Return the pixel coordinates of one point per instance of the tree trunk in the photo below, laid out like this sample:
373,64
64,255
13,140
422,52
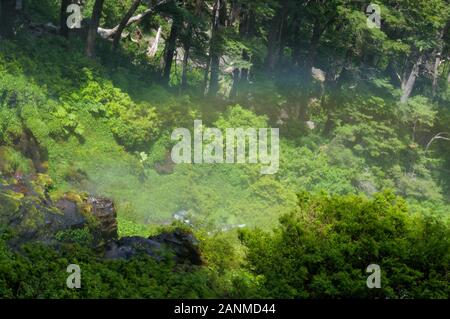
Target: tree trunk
219,20
236,80
214,77
240,75
206,76
438,54
408,85
64,29
187,48
312,53
274,38
8,12
123,23
437,63
188,43
153,48
248,31
93,28
170,51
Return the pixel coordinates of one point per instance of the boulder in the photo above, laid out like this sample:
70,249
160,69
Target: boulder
184,245
27,210
105,214
129,247
181,246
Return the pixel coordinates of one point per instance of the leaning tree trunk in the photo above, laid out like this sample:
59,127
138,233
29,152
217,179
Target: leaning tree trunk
123,23
408,85
170,51
153,47
93,28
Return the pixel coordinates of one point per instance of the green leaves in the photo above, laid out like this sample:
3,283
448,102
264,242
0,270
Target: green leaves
321,250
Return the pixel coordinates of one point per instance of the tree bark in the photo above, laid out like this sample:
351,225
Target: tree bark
437,63
110,33
274,38
170,50
438,57
64,29
241,75
236,80
187,48
219,20
408,85
93,27
187,43
123,23
312,53
153,48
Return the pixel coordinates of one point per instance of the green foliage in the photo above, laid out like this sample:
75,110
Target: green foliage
105,124
12,161
40,272
82,237
323,248
238,117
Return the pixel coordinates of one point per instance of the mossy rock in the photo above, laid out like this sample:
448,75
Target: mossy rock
12,161
9,206
42,183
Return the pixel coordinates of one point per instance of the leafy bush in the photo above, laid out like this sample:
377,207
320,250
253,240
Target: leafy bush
322,249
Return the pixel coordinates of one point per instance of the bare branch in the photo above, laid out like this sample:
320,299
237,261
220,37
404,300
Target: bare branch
440,136
110,33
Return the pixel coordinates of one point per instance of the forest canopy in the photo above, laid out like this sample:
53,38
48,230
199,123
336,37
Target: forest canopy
92,90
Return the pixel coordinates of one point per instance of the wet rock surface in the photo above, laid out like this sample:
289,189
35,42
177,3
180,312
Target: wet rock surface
129,247
181,246
184,245
27,210
105,214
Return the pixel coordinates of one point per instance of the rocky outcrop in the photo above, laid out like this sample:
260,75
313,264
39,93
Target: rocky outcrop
182,246
29,213
129,247
104,212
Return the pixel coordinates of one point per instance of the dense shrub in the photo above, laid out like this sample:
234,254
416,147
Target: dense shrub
322,249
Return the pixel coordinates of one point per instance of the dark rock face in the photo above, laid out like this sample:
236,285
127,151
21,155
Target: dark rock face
179,245
71,217
105,213
184,245
26,209
128,247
